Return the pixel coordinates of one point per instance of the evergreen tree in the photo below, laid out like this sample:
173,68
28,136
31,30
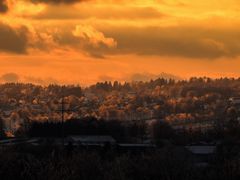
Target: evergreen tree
2,133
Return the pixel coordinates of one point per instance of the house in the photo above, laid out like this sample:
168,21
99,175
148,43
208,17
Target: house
234,100
12,141
7,113
136,147
201,155
92,140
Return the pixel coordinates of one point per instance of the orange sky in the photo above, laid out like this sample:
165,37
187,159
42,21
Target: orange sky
85,41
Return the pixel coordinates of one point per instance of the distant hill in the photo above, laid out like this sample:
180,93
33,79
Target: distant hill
148,76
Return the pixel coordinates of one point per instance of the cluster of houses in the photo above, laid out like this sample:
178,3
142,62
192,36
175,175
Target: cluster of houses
200,154
235,102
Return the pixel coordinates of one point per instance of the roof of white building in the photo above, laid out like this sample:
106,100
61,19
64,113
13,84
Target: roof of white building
93,139
202,150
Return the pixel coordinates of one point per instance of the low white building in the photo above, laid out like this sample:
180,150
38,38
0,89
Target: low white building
235,100
92,140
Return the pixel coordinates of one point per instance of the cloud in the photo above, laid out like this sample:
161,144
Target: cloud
102,12
3,6
106,78
58,1
137,77
25,39
196,42
84,39
13,39
116,30
93,36
149,76
15,78
179,41
9,78
21,39
41,81
93,41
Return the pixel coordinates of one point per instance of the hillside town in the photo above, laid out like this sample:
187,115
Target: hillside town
199,103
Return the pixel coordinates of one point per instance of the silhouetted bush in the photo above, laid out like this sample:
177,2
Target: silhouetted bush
163,164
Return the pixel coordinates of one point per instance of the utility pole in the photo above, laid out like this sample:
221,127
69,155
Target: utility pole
62,120
2,133
63,110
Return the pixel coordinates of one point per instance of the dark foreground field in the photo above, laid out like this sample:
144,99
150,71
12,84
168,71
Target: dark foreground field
56,163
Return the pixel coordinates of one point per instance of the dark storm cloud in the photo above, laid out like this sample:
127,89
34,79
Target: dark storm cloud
180,41
85,39
58,1
3,6
115,13
13,40
177,41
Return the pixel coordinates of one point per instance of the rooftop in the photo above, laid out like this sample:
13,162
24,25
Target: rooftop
93,139
201,150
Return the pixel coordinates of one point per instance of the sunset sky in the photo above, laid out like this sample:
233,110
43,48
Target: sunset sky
85,41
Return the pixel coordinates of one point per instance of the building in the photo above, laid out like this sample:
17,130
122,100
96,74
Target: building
75,140
201,155
136,147
235,101
92,140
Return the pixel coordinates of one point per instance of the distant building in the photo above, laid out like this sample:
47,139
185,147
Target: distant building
202,155
92,140
75,140
131,94
201,149
136,147
234,100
